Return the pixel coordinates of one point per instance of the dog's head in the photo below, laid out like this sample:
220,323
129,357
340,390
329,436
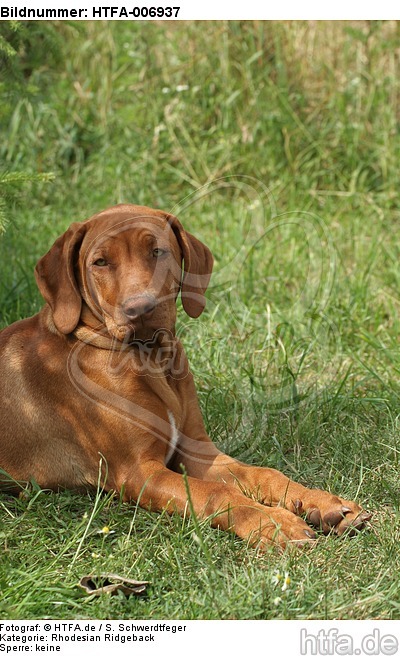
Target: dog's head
125,265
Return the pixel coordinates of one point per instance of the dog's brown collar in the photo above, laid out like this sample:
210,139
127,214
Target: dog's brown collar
161,338
94,338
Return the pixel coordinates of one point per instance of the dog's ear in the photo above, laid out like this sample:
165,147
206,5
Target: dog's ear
55,277
197,269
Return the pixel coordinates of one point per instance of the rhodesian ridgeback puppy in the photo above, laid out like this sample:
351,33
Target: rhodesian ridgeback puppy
98,385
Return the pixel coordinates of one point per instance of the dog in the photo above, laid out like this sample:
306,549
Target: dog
98,385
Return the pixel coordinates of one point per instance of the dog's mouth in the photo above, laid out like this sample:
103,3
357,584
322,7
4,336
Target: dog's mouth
132,332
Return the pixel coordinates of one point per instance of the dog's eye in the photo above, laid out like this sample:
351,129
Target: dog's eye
157,252
100,262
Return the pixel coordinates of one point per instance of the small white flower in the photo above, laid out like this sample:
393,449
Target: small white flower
182,87
277,601
105,531
283,580
276,577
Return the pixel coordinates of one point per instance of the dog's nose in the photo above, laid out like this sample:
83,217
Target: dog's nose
139,306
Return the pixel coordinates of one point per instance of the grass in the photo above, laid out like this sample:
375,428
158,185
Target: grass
277,144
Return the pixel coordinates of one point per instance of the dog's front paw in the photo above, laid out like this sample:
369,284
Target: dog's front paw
332,514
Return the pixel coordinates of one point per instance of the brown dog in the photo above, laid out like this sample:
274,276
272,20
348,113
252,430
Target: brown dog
98,379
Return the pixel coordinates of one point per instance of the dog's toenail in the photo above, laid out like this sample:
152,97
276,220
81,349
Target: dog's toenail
297,506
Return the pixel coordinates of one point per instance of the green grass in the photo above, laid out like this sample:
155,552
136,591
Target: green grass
277,144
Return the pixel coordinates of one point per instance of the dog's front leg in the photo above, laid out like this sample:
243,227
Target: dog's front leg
270,487
157,488
322,509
